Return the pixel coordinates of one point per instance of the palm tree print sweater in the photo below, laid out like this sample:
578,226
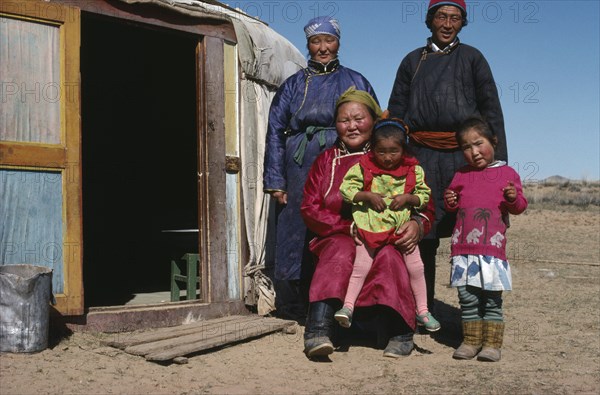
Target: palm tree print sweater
482,210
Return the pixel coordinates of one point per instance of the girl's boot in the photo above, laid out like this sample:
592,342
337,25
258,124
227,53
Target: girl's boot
493,335
472,340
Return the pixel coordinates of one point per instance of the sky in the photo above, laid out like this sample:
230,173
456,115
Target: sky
544,56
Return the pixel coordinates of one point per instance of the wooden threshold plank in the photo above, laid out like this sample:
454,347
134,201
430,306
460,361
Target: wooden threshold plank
262,328
170,332
216,331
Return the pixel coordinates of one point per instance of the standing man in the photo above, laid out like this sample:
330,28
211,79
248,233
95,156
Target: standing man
437,87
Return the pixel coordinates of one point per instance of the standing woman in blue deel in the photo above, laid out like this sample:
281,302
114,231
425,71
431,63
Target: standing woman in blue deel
301,126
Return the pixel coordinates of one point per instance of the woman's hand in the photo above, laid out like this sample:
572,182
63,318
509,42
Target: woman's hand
354,234
280,196
409,237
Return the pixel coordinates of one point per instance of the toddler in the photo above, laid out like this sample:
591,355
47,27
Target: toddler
384,187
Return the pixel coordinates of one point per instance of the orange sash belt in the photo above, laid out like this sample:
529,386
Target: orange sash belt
435,140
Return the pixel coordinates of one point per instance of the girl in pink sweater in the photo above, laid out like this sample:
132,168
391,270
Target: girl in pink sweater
482,193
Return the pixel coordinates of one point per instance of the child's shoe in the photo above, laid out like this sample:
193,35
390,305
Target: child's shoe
493,336
427,320
472,340
344,317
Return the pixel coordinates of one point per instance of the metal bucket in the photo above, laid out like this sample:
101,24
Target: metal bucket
25,294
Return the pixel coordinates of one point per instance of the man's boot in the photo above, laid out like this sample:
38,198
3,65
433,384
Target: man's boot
472,340
493,336
318,332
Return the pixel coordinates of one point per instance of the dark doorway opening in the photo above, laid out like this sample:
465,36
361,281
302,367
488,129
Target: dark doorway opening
139,155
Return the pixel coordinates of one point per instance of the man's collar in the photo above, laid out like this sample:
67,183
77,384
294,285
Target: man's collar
434,48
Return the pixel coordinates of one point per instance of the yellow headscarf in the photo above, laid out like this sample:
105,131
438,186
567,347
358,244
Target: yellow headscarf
354,95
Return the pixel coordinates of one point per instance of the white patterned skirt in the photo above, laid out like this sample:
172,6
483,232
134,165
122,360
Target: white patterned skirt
482,271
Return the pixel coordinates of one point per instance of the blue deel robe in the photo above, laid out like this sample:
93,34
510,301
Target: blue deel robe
304,101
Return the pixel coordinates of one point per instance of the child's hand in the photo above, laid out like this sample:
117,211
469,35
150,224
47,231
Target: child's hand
400,201
451,197
510,192
376,201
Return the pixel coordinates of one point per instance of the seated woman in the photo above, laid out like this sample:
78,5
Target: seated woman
326,214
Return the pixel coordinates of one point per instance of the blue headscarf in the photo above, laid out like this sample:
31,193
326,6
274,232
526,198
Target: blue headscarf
322,25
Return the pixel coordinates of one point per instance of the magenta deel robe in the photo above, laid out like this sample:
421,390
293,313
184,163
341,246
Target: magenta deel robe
329,217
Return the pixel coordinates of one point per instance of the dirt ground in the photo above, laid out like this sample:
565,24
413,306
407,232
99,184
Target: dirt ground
552,340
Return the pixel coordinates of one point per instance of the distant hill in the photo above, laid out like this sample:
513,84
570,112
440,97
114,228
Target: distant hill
561,181
555,180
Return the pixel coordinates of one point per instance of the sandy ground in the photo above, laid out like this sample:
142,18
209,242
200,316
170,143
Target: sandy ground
552,340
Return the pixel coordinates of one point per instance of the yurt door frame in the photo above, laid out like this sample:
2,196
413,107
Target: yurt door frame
40,172
41,168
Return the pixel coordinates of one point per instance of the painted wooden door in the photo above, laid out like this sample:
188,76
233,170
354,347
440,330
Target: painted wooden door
40,135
